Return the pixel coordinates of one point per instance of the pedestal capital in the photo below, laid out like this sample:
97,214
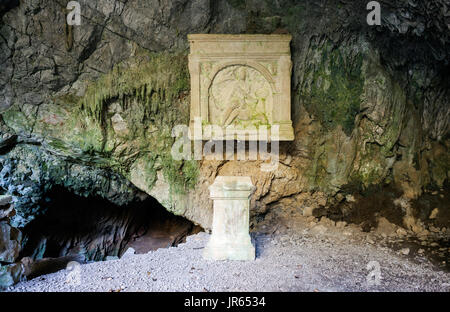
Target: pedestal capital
231,187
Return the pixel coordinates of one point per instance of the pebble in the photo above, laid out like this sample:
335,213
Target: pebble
319,229
405,251
334,264
434,213
347,232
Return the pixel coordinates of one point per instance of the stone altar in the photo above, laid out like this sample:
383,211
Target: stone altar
240,83
230,238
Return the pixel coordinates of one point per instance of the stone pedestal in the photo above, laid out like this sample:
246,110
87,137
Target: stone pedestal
230,239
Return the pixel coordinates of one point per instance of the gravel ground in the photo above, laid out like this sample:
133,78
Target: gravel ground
315,259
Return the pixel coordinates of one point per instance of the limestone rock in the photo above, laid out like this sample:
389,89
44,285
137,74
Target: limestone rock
358,120
405,251
10,274
7,212
33,268
348,232
327,222
401,232
385,227
434,213
10,245
10,240
319,229
5,200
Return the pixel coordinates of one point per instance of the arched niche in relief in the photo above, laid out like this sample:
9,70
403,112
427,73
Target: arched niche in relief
240,83
240,95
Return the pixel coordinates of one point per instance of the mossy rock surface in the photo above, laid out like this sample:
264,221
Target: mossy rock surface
335,88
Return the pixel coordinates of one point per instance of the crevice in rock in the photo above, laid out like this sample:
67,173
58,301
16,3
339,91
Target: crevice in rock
7,5
366,205
94,229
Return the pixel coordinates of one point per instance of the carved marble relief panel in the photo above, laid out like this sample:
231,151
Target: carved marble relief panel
240,83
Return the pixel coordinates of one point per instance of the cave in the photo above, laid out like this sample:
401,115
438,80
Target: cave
86,229
97,164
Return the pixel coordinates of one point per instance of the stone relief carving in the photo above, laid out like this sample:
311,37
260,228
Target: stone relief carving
240,83
241,96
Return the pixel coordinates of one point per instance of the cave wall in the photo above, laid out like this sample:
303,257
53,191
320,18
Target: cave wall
83,104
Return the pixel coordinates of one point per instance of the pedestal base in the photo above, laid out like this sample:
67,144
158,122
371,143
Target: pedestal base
229,251
230,238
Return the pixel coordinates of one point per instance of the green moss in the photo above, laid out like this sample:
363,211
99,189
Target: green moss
58,144
150,90
181,175
395,120
66,100
369,175
149,168
336,86
293,17
237,4
155,80
17,120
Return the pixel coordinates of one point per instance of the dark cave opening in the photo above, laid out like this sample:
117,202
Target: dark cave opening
94,229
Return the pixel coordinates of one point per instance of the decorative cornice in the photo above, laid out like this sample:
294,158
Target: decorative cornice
241,37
